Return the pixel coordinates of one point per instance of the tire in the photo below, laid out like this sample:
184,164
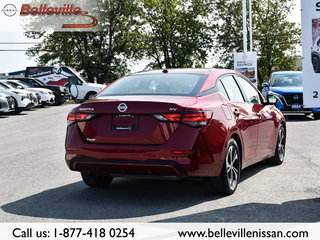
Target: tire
227,182
316,116
278,158
90,95
316,64
96,180
57,101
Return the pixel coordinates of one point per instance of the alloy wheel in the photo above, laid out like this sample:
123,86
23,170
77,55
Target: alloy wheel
232,165
281,144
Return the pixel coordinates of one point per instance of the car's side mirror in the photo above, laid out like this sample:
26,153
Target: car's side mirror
272,99
80,83
19,87
265,85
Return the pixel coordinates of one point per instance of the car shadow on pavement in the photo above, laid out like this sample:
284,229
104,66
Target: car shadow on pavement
124,198
12,114
306,210
254,169
298,118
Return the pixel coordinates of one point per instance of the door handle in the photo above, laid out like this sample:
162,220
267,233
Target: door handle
236,112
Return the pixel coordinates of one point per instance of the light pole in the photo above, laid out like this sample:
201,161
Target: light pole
244,10
250,26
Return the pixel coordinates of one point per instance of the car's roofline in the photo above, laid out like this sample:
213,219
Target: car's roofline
202,71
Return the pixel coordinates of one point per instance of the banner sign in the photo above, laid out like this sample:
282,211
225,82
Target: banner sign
311,52
246,64
44,15
159,231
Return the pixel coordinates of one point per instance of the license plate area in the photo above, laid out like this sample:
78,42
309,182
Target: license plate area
296,106
125,123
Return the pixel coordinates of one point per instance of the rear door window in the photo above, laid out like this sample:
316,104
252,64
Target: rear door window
250,92
232,89
222,90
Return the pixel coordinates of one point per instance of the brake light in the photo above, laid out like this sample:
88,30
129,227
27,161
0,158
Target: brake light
193,119
197,119
174,117
78,117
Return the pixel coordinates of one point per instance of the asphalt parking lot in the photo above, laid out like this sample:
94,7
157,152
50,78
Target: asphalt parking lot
37,186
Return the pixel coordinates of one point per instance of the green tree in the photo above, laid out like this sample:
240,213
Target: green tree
275,38
102,54
176,32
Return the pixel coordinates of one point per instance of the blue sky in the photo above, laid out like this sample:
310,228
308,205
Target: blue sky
14,61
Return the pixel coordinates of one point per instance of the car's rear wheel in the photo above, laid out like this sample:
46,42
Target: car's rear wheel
90,95
96,180
278,158
316,64
228,180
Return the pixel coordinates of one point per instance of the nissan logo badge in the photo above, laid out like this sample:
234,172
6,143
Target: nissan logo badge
122,107
296,97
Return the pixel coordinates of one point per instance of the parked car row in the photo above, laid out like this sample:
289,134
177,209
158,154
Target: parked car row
17,95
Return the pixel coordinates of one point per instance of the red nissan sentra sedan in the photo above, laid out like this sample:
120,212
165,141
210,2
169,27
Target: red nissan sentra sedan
179,122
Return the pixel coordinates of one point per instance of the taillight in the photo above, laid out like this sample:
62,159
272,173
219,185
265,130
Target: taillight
193,119
197,119
168,117
78,117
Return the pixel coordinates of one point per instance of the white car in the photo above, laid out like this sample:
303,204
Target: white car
80,90
22,100
47,96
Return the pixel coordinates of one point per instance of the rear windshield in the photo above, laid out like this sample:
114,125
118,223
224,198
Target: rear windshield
287,80
157,84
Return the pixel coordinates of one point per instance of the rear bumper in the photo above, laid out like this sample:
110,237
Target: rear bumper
129,167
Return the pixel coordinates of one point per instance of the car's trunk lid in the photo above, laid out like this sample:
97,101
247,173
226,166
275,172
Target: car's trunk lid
130,120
